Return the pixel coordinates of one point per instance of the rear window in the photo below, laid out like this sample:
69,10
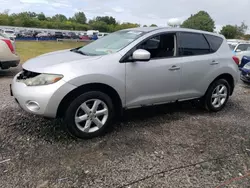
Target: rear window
214,42
193,44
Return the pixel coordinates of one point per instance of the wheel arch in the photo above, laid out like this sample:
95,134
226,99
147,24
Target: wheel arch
228,77
110,91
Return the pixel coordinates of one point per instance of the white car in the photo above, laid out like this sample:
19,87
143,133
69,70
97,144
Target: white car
8,56
10,34
241,49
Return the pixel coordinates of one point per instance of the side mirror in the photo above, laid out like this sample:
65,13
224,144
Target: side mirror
141,55
237,50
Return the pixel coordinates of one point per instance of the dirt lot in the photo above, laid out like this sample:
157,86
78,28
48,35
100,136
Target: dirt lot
177,145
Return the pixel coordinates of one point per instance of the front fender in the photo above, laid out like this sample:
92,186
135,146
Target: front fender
118,84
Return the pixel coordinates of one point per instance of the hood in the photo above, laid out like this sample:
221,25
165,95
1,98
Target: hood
56,61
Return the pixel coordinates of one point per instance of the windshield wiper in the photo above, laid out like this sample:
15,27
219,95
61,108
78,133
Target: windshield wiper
78,51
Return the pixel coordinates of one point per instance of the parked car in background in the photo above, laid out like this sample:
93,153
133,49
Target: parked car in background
84,37
8,56
58,35
9,33
244,61
245,73
6,37
73,35
42,35
131,68
242,49
100,35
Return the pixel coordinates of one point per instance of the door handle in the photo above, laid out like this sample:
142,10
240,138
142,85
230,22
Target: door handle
214,62
174,67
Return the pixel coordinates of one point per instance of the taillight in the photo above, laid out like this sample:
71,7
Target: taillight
8,42
236,60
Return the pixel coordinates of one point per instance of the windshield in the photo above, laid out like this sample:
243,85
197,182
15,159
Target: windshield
111,43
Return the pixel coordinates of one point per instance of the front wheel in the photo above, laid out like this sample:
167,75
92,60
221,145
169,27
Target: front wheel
89,115
217,95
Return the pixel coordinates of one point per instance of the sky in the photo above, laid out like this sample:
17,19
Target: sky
138,11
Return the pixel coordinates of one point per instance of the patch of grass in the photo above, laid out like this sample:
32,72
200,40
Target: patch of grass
30,49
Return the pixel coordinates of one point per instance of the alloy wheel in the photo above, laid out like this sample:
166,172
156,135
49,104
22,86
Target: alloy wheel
219,96
91,115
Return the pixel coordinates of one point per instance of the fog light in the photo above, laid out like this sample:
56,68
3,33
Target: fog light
33,106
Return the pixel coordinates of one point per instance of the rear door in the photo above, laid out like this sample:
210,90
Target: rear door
199,61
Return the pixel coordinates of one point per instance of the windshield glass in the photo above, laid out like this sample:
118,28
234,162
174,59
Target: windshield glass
111,43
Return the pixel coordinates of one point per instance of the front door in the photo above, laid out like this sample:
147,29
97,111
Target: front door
157,80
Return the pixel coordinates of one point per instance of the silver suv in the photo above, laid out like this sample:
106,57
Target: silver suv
130,68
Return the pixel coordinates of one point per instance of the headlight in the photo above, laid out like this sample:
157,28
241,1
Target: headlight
42,79
247,66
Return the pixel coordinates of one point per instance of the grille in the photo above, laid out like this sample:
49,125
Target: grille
27,74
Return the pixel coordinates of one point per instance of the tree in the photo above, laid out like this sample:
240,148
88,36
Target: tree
107,19
100,26
201,21
41,17
241,30
229,31
153,25
59,21
59,18
79,17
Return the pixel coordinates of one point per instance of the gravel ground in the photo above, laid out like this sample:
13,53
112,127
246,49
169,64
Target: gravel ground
176,145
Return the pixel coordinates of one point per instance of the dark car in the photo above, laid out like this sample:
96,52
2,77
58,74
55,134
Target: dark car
73,35
245,73
244,61
58,35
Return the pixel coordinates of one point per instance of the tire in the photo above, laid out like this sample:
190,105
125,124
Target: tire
210,101
82,110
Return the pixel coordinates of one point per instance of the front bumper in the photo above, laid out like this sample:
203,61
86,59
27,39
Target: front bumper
40,100
245,78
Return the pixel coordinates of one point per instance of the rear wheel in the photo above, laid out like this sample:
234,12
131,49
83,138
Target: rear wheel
89,115
217,95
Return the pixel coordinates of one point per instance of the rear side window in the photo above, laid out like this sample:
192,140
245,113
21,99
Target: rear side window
193,44
214,42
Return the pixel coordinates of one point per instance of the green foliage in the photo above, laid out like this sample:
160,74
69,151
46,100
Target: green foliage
59,21
229,31
80,18
107,19
201,21
153,25
41,17
234,31
241,30
59,18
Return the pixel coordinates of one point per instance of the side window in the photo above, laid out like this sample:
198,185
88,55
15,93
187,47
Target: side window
193,44
214,42
248,47
242,47
161,46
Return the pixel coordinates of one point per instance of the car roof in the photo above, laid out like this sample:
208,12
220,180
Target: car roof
167,29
